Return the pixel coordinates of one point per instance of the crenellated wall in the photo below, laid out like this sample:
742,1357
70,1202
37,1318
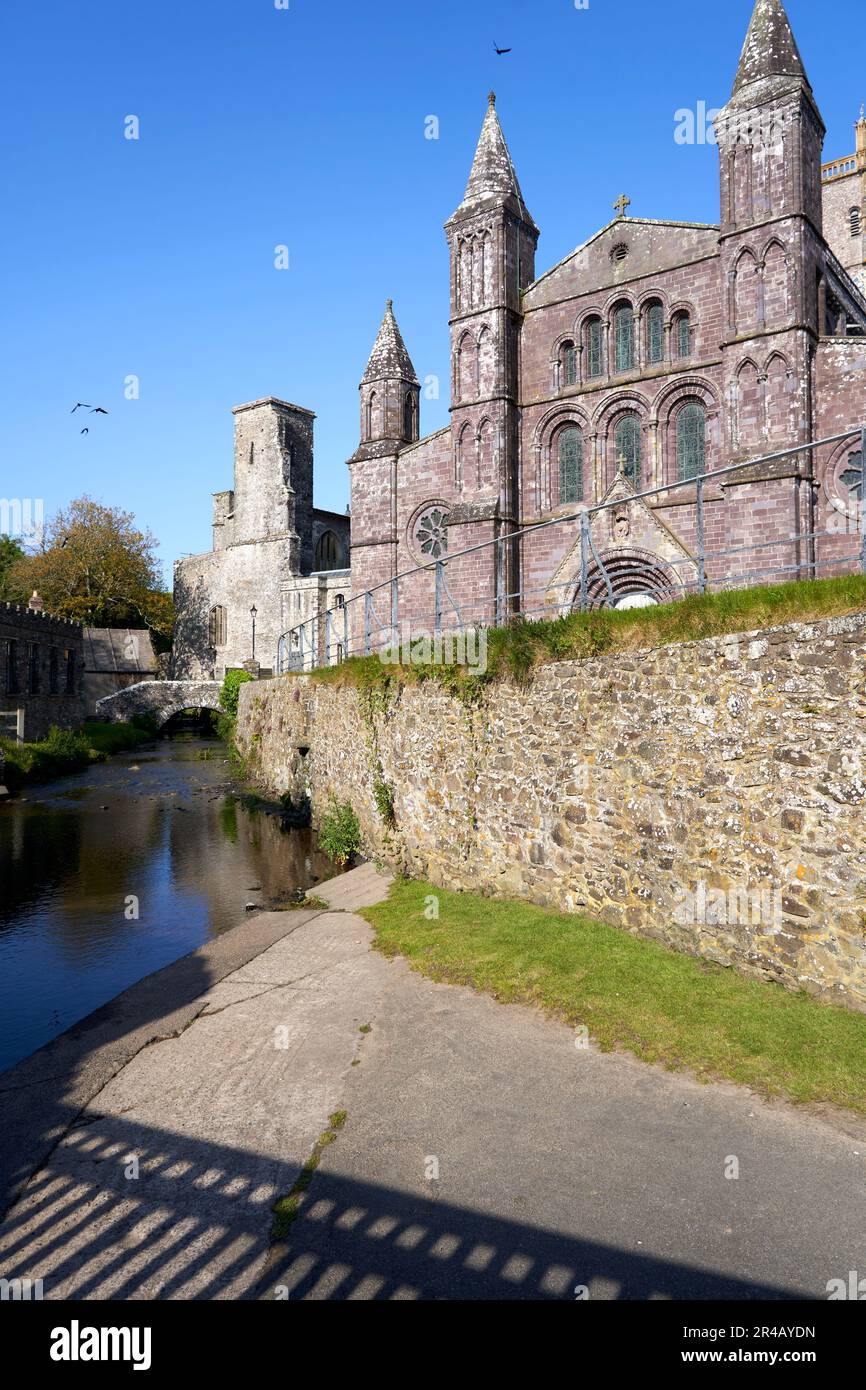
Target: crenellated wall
708,794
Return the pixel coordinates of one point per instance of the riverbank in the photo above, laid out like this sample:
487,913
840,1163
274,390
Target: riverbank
64,751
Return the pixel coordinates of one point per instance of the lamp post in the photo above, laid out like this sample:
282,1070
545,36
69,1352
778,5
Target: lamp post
253,612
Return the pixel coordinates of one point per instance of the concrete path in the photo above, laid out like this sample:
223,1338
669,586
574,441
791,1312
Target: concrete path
484,1155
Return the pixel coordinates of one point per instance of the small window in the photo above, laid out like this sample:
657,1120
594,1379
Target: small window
69,658
409,417
571,465
52,671
33,669
371,414
567,364
218,626
684,335
594,341
340,601
11,667
856,221
623,325
655,333
619,252
691,440
627,445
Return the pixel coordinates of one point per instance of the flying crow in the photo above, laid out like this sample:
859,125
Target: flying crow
97,410
499,50
79,405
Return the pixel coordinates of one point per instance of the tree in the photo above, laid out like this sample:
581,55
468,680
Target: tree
10,551
96,566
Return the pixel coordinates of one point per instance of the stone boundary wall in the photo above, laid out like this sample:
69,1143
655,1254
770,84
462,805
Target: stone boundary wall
708,794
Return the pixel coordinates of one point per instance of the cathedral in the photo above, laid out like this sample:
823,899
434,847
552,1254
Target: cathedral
657,351
654,353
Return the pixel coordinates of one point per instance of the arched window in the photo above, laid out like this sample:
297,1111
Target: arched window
623,322
627,445
329,552
655,333
217,626
409,416
691,440
567,364
594,352
683,331
856,221
570,449
371,413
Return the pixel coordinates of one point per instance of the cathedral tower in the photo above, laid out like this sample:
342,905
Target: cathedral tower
492,240
770,136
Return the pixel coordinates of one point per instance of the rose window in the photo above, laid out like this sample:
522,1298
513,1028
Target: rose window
431,532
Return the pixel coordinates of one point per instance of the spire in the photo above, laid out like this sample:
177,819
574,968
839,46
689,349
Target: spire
492,180
389,357
770,50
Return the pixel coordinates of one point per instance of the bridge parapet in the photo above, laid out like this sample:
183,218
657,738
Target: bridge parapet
159,698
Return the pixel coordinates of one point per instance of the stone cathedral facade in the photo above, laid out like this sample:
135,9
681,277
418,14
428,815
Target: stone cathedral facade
654,352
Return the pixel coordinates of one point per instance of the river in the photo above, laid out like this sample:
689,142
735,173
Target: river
113,873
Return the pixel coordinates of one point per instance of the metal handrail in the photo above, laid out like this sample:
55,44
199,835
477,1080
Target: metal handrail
500,603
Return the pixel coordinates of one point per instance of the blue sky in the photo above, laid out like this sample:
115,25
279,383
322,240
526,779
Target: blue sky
305,127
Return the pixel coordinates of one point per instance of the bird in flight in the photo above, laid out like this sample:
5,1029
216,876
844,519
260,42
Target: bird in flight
499,50
97,410
79,405
85,430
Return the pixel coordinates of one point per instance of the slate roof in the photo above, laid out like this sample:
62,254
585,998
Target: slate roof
121,649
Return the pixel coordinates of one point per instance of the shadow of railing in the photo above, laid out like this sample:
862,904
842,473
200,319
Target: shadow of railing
195,1222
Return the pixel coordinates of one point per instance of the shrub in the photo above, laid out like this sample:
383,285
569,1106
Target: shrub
231,685
62,750
340,833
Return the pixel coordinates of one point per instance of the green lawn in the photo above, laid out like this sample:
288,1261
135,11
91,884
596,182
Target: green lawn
666,1008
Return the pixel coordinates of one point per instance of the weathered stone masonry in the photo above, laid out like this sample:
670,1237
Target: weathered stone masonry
616,786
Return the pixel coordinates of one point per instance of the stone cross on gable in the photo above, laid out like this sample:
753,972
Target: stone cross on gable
621,204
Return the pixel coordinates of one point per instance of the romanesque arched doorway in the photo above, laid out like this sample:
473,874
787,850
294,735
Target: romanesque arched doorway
629,578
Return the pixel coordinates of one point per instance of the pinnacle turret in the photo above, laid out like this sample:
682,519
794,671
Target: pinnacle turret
390,357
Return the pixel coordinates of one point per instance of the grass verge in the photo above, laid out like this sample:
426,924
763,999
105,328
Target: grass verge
66,750
513,652
667,1008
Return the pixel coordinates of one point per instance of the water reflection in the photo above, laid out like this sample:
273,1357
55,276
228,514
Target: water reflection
158,831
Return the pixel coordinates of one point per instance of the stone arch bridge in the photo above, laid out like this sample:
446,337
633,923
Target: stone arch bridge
159,698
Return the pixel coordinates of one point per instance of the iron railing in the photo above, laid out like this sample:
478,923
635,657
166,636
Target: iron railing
376,617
